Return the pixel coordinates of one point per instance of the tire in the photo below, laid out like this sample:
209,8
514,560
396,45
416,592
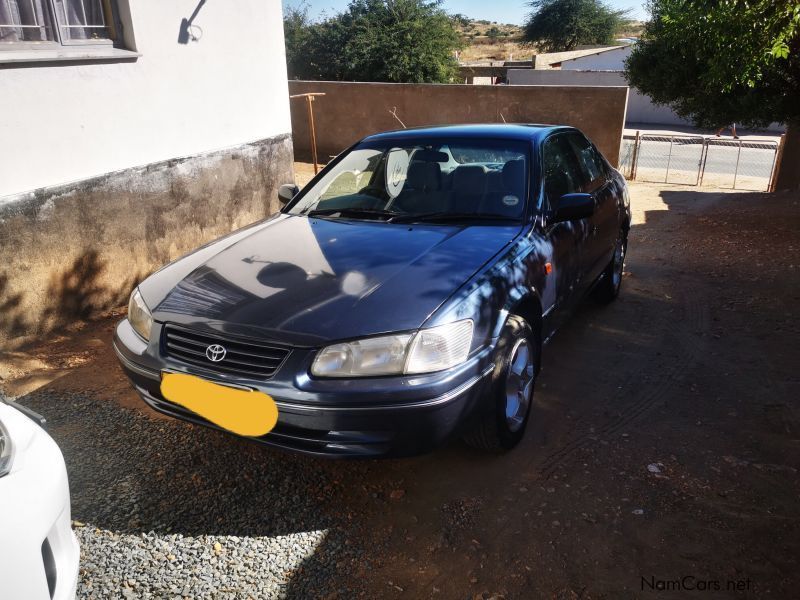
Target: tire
607,289
501,425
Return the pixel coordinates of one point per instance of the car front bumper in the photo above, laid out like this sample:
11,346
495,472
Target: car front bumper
34,512
375,417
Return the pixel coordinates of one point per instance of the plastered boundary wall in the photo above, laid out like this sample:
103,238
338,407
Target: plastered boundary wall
350,111
72,252
640,108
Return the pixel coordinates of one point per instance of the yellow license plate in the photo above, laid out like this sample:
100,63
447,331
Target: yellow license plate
244,412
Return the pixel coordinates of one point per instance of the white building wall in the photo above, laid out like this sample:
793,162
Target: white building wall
61,123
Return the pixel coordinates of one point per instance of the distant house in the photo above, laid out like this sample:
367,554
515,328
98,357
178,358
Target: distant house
604,59
600,67
131,132
604,66
494,72
555,60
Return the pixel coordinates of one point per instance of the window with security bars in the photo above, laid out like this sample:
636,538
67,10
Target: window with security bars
49,23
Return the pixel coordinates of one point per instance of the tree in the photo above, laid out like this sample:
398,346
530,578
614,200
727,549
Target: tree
296,33
558,25
462,20
721,62
401,41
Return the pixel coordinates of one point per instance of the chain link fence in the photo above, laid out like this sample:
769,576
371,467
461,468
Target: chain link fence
698,160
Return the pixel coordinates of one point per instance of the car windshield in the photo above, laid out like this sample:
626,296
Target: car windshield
433,180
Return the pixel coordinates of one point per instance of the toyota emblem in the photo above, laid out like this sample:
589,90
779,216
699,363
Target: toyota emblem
215,353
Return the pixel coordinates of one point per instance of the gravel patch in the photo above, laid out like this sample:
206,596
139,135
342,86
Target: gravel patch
170,510
151,565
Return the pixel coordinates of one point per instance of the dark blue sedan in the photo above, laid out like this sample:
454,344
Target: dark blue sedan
400,299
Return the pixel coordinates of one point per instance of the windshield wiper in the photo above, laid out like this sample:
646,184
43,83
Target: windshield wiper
351,212
450,216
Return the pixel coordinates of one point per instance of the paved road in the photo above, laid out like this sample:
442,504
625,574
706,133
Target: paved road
754,162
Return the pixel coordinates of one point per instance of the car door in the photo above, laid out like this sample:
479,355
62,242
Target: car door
599,246
562,175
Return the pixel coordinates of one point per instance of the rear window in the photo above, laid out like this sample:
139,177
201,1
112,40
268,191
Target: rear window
471,154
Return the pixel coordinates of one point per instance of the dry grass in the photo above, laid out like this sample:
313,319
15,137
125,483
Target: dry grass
481,29
632,29
480,47
500,50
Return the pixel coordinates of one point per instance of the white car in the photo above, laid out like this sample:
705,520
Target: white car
39,554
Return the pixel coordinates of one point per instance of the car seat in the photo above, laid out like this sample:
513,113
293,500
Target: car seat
469,188
422,191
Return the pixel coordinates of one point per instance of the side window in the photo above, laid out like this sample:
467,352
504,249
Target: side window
592,168
51,24
562,174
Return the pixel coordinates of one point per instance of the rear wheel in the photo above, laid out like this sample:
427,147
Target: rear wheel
501,426
608,287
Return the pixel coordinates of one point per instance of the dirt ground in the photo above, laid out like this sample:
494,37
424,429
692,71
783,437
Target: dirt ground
662,460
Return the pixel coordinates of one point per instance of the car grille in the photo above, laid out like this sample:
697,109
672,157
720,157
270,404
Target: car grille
242,356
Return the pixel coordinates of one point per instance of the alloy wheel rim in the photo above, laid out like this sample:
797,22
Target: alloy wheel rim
519,385
619,262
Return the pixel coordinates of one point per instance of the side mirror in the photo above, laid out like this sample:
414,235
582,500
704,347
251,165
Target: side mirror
286,192
572,207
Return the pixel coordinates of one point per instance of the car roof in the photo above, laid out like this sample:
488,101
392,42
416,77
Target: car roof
508,131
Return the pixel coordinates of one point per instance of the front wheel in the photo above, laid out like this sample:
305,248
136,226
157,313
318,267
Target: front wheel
608,287
501,426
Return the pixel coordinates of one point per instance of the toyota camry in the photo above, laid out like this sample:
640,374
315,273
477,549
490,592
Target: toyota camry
399,300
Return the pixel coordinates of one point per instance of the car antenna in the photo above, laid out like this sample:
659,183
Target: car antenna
393,112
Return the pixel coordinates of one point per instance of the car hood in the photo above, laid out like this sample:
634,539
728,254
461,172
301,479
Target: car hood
309,280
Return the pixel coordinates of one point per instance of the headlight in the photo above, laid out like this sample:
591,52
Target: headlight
139,315
6,451
440,347
373,356
425,351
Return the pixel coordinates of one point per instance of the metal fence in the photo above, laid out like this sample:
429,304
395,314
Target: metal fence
697,160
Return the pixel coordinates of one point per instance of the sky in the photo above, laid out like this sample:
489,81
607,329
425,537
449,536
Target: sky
502,11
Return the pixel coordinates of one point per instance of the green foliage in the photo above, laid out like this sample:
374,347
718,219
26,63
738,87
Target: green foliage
295,33
401,41
493,33
462,20
717,62
559,25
